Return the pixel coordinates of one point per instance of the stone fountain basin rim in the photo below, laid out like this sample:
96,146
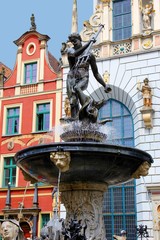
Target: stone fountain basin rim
82,146
111,164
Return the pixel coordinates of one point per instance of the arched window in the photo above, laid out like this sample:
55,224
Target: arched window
121,126
119,207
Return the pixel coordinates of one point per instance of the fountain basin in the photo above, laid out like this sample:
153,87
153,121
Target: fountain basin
89,162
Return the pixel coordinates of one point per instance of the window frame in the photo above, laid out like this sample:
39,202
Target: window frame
5,119
122,119
11,167
14,117
111,217
22,73
34,122
122,28
42,224
31,71
40,117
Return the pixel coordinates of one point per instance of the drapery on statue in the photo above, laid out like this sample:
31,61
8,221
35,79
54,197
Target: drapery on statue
147,11
11,230
146,92
80,58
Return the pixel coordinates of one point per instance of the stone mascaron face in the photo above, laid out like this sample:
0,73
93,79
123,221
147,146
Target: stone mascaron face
9,230
61,160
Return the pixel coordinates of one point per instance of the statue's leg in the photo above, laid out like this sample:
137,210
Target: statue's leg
72,96
75,110
79,88
70,82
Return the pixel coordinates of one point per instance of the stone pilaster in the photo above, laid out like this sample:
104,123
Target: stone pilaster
156,15
136,18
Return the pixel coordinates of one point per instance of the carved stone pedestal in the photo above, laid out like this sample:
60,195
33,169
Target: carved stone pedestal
84,201
147,113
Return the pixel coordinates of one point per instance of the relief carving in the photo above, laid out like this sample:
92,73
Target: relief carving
86,206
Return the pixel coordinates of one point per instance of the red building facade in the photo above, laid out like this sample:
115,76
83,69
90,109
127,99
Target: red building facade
30,104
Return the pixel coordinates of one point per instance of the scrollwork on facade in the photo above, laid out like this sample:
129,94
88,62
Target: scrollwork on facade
95,19
91,25
88,31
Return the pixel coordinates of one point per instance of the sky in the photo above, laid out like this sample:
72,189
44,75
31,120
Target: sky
52,17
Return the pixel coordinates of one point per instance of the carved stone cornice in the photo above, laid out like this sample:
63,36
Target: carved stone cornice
16,211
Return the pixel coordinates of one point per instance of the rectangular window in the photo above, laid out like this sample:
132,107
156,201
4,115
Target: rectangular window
119,206
12,121
30,73
119,210
121,19
9,172
43,117
44,219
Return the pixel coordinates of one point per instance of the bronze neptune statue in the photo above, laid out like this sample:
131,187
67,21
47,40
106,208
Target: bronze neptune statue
80,58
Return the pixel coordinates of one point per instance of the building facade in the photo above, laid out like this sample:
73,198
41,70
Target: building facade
30,105
128,58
